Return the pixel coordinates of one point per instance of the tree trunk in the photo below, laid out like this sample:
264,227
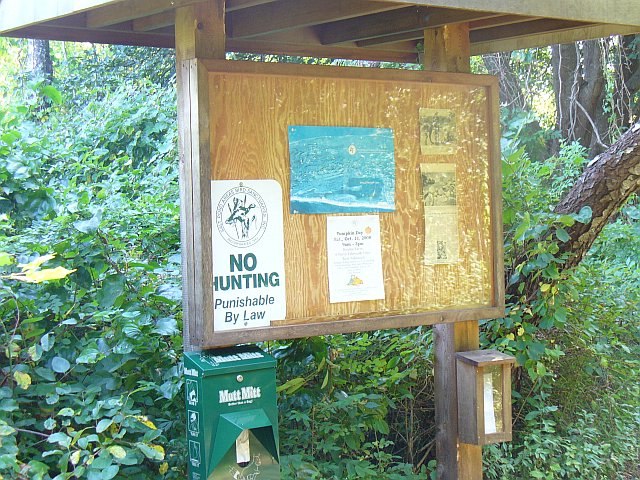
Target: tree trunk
629,79
579,86
511,95
605,186
39,64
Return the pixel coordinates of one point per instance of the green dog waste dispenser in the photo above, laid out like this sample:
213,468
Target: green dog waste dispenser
232,417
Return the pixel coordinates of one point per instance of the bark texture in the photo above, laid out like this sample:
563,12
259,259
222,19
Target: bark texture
511,95
579,85
606,184
38,63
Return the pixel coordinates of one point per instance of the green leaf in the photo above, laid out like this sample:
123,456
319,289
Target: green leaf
8,405
584,216
47,341
152,452
60,365
52,93
88,226
560,315
35,352
166,326
5,429
566,220
110,472
562,235
45,373
292,385
522,228
66,412
117,451
10,137
88,355
104,424
112,288
60,438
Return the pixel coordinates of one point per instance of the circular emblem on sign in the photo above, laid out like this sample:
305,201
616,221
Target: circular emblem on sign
352,149
241,216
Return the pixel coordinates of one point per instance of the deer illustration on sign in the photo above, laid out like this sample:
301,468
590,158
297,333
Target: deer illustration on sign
240,215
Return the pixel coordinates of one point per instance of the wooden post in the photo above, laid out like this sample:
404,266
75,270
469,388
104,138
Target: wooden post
447,49
200,34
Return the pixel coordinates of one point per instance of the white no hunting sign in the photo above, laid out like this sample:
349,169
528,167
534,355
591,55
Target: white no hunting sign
248,254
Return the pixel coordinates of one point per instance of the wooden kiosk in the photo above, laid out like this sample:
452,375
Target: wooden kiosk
236,123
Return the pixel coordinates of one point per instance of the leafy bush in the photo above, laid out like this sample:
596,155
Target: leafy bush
91,384
577,403
353,406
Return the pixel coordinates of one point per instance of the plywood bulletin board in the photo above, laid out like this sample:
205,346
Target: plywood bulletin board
252,105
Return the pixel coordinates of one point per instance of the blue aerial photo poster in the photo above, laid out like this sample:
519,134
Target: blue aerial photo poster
341,169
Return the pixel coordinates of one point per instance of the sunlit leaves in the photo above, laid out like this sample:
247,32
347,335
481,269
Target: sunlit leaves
52,93
33,273
22,379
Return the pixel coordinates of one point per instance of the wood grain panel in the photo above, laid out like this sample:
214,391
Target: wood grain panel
252,106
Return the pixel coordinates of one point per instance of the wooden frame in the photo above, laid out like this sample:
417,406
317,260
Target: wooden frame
198,280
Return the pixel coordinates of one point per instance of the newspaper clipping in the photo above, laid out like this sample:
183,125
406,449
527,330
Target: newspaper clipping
440,213
438,134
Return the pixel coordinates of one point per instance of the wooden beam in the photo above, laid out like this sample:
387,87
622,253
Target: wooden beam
617,12
410,20
377,25
390,39
490,21
543,39
154,22
234,5
200,30
498,20
290,14
131,10
407,54
447,48
18,14
116,37
523,29
305,42
199,34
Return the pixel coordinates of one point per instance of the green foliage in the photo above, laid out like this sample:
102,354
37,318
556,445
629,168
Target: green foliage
91,374
347,404
572,332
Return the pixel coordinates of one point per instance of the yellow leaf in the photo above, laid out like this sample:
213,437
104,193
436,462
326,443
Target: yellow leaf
22,379
520,331
5,259
545,287
163,468
511,336
47,274
159,449
146,421
75,457
117,452
36,263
